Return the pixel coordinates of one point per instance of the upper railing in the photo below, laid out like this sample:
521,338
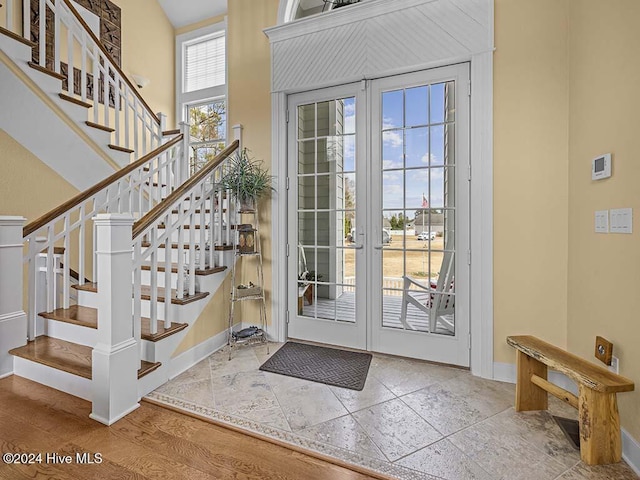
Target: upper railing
66,45
63,238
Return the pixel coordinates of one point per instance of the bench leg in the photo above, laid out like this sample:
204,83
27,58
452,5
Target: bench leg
528,395
600,441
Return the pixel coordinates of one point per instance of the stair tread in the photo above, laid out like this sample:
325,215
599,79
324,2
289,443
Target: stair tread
46,71
162,226
100,127
17,37
75,314
120,149
77,101
146,293
66,356
185,246
174,269
59,354
162,331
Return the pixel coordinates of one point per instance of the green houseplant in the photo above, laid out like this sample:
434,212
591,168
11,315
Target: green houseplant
247,180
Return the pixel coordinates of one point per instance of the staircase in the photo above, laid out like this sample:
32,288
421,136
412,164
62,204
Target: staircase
114,277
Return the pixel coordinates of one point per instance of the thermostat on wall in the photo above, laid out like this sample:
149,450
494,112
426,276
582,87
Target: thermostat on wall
601,167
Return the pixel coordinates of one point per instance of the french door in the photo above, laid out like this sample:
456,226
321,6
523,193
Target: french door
378,222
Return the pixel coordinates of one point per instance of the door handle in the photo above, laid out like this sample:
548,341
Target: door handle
355,247
378,247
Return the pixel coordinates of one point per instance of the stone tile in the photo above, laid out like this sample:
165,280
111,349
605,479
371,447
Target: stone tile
200,371
406,376
307,404
200,392
243,360
242,392
540,430
343,432
373,393
616,471
455,404
260,351
443,459
504,453
396,429
271,417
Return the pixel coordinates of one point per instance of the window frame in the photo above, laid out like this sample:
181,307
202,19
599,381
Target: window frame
184,99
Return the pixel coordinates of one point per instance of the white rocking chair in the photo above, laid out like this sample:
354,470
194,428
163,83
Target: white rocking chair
436,300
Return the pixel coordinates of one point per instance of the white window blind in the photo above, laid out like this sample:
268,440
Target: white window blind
204,63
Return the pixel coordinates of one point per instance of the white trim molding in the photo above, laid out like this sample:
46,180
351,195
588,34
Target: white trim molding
364,42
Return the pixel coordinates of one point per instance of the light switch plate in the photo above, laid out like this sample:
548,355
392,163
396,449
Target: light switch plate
621,220
602,221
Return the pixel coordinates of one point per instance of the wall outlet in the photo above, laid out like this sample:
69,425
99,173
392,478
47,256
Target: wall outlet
615,365
604,350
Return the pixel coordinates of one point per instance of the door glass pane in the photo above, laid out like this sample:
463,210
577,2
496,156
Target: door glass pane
392,109
418,201
417,147
307,121
416,105
307,156
326,209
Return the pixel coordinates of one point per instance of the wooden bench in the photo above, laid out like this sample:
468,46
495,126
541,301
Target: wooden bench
600,441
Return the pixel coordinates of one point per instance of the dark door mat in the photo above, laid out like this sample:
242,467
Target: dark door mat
571,430
331,366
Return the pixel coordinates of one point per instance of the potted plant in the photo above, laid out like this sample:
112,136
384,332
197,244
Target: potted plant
247,180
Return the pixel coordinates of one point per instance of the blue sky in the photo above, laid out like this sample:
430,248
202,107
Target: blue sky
413,126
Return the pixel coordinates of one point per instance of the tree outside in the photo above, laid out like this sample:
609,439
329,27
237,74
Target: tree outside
208,131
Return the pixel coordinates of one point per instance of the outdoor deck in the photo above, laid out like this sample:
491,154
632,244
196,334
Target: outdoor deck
343,309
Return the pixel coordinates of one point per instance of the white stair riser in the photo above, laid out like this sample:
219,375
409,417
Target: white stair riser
14,49
51,377
70,332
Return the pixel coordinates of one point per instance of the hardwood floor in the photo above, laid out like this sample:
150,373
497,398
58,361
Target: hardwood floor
152,443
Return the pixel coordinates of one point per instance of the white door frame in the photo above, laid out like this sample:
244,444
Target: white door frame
480,57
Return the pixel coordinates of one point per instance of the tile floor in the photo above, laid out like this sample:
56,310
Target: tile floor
412,420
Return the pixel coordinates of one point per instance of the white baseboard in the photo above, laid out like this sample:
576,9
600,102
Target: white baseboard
188,359
5,375
506,372
631,451
108,422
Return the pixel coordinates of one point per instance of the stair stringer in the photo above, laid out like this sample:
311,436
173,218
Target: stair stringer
52,129
163,350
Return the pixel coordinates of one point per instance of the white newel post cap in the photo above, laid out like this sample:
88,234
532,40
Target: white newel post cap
11,236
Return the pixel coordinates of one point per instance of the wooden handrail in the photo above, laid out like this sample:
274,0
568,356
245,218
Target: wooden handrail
113,64
155,213
81,197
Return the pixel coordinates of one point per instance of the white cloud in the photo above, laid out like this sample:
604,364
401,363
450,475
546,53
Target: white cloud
392,138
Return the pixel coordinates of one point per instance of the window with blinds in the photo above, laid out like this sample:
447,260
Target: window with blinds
205,63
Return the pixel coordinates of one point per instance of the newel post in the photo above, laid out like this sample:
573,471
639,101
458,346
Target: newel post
116,354
13,319
185,129
237,134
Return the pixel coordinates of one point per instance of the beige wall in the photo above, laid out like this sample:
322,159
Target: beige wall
604,278
530,172
148,49
17,188
201,24
249,104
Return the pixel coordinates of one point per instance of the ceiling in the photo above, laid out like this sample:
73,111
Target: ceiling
186,12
